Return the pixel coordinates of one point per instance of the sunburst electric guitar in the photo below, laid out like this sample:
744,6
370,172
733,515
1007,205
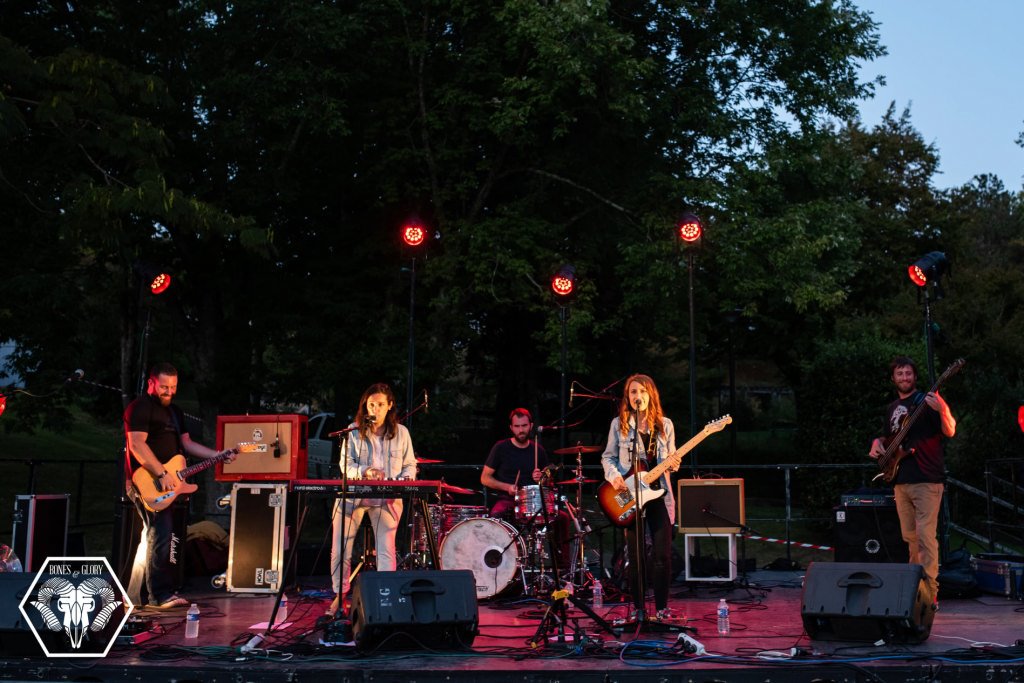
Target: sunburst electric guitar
156,499
620,506
889,461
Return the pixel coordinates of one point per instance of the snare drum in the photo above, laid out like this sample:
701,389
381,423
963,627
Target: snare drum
528,502
490,548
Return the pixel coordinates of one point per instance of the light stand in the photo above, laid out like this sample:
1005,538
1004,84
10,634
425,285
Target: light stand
928,270
563,317
690,231
693,363
563,288
412,338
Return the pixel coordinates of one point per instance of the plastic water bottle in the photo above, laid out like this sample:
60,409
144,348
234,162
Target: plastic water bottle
598,596
282,609
192,621
723,617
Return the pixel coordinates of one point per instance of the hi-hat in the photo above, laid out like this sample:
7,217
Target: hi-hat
579,448
573,482
427,461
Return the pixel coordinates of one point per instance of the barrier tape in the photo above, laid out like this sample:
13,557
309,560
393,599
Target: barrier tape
783,541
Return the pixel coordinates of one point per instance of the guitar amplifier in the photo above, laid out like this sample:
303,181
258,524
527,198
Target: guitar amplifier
283,459
710,506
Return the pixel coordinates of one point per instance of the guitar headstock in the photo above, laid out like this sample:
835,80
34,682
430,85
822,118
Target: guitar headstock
718,425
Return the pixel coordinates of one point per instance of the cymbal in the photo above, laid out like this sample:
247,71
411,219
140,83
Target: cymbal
448,488
572,482
570,450
427,461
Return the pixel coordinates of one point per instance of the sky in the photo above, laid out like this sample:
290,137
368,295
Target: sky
958,65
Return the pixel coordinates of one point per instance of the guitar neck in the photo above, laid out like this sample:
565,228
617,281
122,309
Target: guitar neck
204,464
655,472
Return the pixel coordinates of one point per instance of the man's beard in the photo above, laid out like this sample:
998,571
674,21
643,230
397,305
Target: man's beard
521,440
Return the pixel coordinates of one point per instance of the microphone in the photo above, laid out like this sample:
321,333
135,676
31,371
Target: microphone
426,403
76,376
370,417
572,393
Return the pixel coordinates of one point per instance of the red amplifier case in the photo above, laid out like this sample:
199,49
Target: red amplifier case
284,457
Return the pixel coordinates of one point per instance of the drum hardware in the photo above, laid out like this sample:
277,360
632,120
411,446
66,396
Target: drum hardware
578,449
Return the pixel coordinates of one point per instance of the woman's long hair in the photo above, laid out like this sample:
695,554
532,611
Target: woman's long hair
390,420
654,414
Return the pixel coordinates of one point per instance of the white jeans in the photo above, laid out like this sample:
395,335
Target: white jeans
384,521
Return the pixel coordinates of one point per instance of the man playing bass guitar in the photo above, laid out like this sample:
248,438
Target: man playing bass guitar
155,431
919,479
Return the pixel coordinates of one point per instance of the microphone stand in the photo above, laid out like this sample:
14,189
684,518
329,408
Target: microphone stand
556,614
639,583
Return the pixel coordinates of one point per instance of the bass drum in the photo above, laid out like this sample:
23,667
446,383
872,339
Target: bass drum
490,548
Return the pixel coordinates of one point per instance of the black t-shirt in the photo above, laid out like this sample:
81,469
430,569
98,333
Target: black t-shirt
508,460
162,425
924,438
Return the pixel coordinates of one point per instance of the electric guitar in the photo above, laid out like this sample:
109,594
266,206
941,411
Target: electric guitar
889,461
620,506
156,499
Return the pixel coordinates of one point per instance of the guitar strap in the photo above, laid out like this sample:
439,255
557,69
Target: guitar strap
177,426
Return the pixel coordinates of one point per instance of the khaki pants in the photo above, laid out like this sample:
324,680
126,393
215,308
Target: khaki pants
918,508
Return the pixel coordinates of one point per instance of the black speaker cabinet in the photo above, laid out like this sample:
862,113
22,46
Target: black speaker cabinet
868,533
866,601
710,506
412,609
16,640
40,528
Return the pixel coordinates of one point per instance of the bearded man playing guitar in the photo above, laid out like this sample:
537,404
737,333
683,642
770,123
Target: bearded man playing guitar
155,430
919,479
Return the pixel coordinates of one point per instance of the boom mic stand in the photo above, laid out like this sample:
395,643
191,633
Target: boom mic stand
556,614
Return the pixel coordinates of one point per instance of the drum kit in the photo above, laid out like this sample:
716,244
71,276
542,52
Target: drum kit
510,556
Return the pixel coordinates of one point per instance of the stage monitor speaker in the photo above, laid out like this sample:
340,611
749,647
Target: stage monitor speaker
16,640
710,506
866,601
413,609
40,528
868,533
282,443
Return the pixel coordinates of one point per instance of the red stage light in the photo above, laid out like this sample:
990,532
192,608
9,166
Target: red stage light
160,283
413,234
3,404
563,283
1020,418
562,286
690,228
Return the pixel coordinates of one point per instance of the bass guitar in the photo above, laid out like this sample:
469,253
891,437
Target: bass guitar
620,506
889,461
156,499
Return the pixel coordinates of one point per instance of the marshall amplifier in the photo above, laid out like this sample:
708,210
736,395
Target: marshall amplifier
414,609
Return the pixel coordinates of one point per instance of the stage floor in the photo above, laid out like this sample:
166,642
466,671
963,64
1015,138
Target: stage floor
971,639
